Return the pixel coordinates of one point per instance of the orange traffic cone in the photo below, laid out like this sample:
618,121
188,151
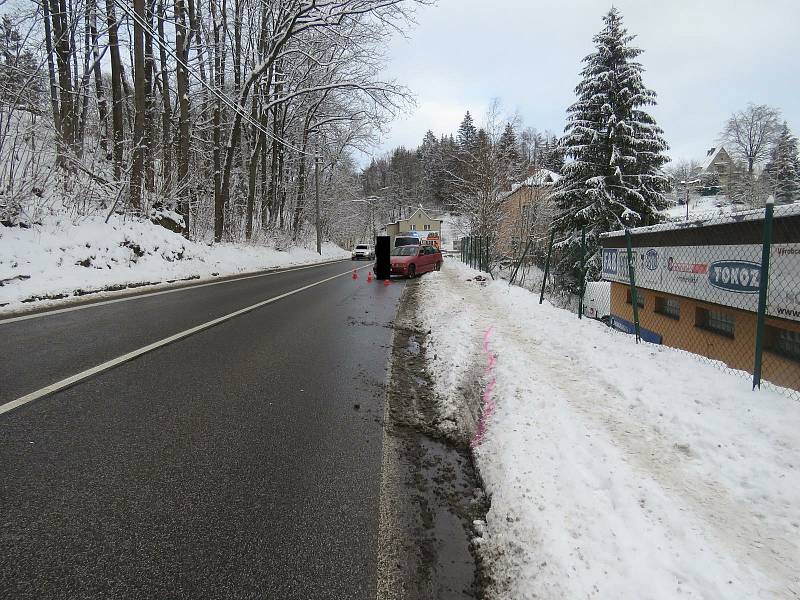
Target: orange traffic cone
369,276
355,274
386,281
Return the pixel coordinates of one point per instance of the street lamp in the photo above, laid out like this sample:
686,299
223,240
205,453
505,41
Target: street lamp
686,184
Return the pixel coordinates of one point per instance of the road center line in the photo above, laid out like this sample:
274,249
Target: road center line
73,379
182,288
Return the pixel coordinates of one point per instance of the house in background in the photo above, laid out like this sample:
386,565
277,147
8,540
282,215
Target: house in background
418,220
526,211
718,165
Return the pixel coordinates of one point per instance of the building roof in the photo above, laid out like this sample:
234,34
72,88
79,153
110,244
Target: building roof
419,209
540,178
711,156
735,217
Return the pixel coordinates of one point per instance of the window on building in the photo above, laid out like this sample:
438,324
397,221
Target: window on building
717,321
784,342
669,307
639,298
427,227
413,227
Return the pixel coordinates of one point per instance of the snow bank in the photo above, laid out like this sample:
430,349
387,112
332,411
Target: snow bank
616,470
59,257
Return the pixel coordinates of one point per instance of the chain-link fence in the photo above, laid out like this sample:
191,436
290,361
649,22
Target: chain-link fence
476,252
724,288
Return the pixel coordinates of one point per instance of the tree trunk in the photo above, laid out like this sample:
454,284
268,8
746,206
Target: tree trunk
102,107
149,68
252,172
51,71
237,45
251,181
137,167
301,179
63,56
86,78
318,218
219,82
182,78
166,115
117,122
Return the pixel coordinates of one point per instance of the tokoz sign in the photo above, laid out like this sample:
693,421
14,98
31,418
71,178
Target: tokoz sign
727,275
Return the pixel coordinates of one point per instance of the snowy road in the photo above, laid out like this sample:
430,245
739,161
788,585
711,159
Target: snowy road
230,463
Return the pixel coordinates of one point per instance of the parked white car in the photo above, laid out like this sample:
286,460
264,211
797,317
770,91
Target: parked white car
363,251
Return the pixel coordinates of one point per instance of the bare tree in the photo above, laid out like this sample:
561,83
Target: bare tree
684,176
751,132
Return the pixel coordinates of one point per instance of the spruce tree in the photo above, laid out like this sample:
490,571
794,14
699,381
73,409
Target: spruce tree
467,147
467,134
614,179
431,164
782,167
509,154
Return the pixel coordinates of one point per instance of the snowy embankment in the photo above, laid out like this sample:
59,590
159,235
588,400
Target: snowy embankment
700,207
615,470
60,258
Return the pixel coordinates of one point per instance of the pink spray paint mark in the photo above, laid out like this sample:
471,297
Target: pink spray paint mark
487,398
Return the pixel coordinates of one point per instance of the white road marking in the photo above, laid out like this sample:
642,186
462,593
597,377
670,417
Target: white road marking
149,294
73,379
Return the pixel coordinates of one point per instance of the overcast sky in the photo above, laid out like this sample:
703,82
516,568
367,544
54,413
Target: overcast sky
704,58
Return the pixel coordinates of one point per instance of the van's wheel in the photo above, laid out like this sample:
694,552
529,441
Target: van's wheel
438,266
412,271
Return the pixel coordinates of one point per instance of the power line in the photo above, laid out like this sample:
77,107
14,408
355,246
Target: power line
235,107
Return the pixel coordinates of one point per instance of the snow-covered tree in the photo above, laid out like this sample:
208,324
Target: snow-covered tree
431,165
614,178
510,154
782,167
467,134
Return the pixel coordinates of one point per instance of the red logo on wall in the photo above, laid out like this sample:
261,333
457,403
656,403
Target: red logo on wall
697,268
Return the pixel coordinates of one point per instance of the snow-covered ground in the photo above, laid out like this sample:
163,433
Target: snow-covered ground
703,206
60,257
615,470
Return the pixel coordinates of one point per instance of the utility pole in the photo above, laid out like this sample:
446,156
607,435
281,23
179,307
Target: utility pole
318,159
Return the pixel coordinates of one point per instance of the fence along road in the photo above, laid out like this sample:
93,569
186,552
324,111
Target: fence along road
221,465
697,285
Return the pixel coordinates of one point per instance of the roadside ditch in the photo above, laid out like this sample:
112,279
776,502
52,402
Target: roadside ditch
431,493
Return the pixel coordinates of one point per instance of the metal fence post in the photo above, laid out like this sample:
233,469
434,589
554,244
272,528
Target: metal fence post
632,278
472,251
547,264
583,272
763,285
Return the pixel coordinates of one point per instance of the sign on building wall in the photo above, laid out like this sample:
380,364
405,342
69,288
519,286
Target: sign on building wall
727,275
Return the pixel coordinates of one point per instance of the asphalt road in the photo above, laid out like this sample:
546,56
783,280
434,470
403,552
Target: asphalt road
232,463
